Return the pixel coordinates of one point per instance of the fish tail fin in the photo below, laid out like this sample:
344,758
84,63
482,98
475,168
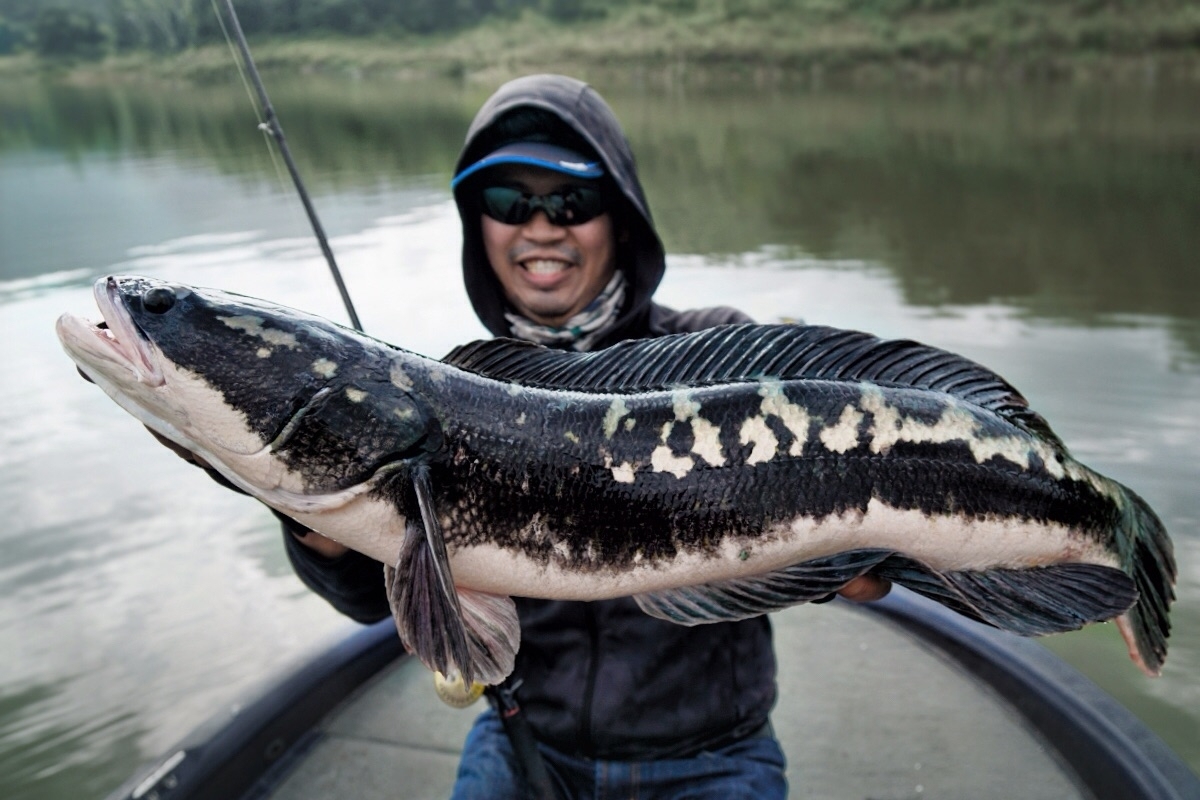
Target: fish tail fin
1147,555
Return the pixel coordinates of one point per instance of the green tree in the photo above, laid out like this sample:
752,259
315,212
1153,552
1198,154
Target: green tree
11,37
165,26
21,12
59,32
573,10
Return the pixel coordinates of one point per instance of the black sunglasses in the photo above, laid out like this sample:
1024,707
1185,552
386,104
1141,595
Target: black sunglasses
574,205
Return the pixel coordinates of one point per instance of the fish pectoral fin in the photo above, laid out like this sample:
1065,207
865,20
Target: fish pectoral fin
1030,601
472,634
742,598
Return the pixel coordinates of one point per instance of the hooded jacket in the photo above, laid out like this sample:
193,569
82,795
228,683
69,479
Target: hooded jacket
603,679
587,125
600,679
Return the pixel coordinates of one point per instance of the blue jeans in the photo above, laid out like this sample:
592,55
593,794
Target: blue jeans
752,769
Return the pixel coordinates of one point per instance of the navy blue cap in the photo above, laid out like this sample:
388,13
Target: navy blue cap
535,154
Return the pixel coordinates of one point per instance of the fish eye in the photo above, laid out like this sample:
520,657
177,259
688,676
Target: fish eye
158,300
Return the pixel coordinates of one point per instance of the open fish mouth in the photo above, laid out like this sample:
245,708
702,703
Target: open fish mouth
115,341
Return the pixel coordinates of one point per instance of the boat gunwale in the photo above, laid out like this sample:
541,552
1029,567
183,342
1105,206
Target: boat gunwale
1109,752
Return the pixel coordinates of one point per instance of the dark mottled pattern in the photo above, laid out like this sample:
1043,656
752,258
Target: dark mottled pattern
503,476
336,442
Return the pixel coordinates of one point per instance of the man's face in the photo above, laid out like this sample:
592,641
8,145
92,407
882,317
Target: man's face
549,272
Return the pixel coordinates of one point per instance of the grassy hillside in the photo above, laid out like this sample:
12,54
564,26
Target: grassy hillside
773,41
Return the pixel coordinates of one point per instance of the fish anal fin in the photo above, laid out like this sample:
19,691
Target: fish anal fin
1030,601
742,598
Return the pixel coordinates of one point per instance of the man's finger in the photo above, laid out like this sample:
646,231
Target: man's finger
182,452
866,588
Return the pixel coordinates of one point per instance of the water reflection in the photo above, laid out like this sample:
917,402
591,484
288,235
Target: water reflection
1072,214
1069,203
343,134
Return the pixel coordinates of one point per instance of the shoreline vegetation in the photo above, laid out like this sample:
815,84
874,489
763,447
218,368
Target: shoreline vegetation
697,43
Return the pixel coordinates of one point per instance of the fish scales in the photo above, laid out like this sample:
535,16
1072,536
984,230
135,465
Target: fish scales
713,476
559,472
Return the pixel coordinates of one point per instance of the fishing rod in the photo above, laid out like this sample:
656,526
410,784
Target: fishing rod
515,725
271,125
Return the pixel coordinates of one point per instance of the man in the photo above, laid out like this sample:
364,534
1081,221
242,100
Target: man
559,248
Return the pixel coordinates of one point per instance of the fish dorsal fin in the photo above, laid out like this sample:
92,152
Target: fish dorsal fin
744,353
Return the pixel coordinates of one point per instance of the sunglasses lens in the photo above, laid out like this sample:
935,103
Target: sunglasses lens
573,206
577,206
507,205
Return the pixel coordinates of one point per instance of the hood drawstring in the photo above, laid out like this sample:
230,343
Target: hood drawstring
581,331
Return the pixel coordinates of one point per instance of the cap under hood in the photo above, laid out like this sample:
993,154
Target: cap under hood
593,124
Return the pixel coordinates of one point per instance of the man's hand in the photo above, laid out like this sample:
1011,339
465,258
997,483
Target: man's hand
322,544
182,452
865,588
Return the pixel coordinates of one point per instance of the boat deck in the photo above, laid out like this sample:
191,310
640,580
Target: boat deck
866,710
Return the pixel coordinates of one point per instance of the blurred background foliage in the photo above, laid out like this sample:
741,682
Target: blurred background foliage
75,27
783,33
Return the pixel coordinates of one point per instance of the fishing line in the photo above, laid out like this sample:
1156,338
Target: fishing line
262,125
271,126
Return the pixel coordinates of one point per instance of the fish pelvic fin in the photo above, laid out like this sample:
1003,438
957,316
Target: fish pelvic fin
1148,556
463,632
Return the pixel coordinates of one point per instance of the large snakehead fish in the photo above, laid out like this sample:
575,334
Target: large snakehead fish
713,476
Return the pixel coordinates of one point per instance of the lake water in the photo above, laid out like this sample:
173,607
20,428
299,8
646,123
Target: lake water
1051,234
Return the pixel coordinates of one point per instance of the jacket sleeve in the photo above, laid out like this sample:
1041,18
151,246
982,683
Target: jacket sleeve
352,583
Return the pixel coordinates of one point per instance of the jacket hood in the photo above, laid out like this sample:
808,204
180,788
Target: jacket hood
588,122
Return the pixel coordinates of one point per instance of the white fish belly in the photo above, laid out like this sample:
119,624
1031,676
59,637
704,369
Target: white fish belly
944,542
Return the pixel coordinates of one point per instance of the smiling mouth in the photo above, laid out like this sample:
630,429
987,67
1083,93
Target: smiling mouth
544,266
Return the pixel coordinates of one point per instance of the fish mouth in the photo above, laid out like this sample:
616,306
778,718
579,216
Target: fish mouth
114,342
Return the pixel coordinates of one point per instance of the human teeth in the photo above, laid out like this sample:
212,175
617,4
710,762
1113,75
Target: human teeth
544,266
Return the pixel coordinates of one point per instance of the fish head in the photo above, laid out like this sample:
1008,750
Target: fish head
294,409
